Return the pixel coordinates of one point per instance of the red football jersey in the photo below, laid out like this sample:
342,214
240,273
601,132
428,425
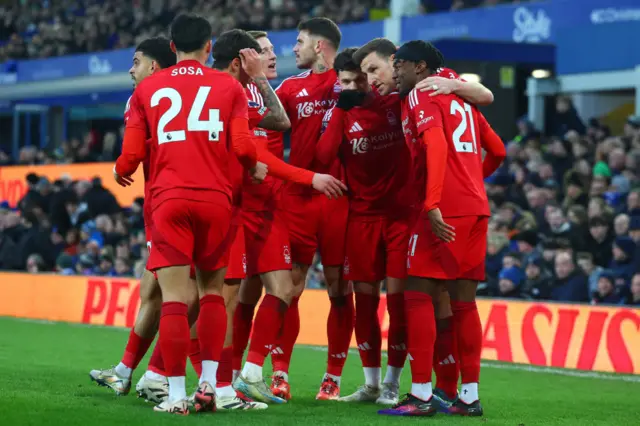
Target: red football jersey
307,97
463,192
146,163
186,111
259,197
375,156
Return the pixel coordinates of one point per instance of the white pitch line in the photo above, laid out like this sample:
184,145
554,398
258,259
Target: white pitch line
528,368
497,365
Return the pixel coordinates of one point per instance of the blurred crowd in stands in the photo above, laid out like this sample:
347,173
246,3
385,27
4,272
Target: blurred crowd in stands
93,146
46,28
566,213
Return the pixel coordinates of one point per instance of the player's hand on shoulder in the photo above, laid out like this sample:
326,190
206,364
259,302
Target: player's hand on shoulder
259,172
328,185
349,99
251,62
439,227
438,85
122,180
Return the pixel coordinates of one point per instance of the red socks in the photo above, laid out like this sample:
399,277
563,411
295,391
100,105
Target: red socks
445,358
195,357
421,334
397,338
156,363
212,326
225,371
174,338
242,322
281,355
136,349
340,325
368,333
267,326
466,317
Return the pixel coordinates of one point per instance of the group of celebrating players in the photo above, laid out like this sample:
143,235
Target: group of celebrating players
385,180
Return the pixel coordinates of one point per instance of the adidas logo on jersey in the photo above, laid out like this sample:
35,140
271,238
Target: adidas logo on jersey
355,128
302,93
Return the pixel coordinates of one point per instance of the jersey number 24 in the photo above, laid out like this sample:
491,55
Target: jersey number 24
213,126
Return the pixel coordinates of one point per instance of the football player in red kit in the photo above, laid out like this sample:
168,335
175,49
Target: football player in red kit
364,131
313,220
193,132
376,60
235,52
448,243
151,55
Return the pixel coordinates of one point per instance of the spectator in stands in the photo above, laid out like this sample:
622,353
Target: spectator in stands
591,270
64,264
527,242
510,280
621,225
600,241
35,264
606,291
570,284
122,267
623,252
35,239
633,298
539,279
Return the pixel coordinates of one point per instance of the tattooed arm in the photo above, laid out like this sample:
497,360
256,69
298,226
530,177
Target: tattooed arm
276,118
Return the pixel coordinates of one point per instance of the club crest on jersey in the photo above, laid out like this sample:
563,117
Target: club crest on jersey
391,118
286,253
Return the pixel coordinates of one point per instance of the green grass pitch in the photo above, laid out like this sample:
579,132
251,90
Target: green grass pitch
44,381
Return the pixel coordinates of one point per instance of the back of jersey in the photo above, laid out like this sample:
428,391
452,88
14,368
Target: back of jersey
463,192
189,109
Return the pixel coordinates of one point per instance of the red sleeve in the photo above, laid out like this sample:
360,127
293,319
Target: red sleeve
448,73
492,144
134,115
256,114
329,144
239,105
282,170
426,113
134,150
437,151
242,143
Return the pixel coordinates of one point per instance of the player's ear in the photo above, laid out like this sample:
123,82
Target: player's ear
421,67
154,66
173,46
208,46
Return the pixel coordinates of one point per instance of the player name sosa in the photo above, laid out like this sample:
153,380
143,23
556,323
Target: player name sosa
186,71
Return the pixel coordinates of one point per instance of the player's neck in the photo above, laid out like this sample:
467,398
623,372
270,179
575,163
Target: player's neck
194,56
323,64
423,75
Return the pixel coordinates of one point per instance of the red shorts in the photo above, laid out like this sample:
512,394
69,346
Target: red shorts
316,222
376,248
186,232
237,268
461,259
267,242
